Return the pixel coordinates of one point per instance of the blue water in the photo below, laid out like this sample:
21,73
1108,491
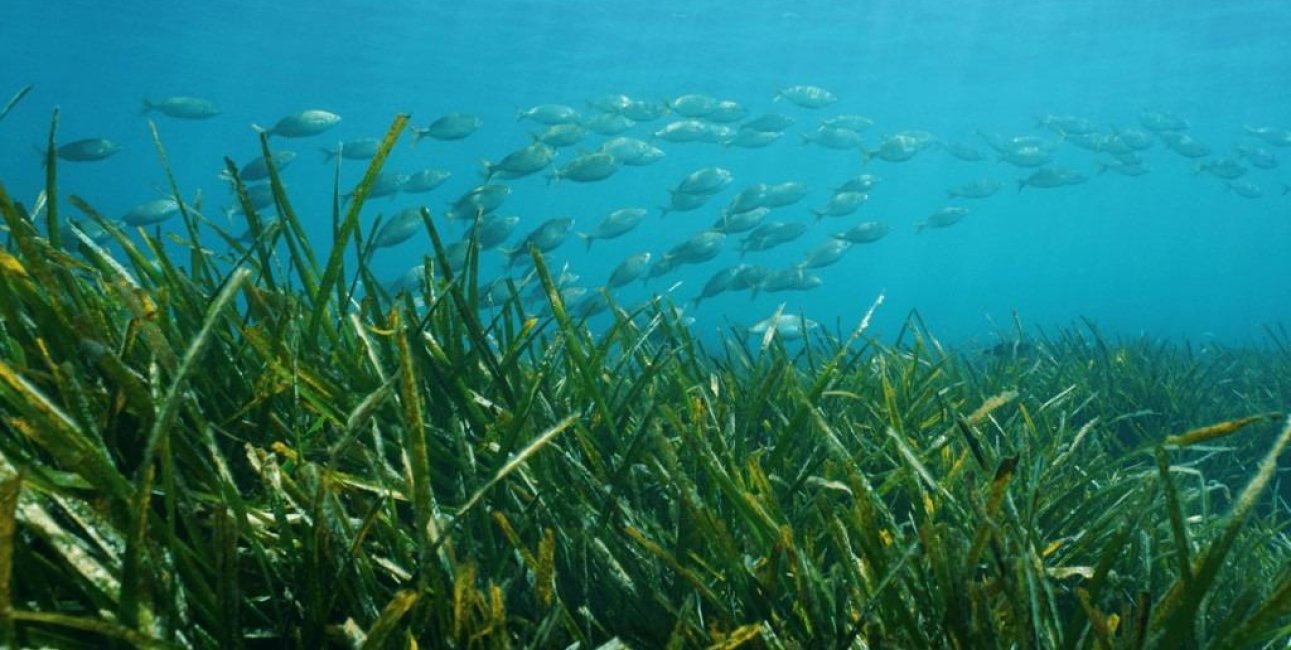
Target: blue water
1171,253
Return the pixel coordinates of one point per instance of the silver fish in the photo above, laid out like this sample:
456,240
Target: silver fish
618,223
864,233
527,160
842,204
188,108
356,149
587,168
806,96
978,189
302,124
399,229
87,150
453,126
629,270
943,218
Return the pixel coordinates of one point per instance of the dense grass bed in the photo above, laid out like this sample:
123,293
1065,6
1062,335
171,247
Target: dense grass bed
269,450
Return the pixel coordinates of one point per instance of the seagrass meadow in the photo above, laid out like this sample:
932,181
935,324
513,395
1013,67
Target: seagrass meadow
265,448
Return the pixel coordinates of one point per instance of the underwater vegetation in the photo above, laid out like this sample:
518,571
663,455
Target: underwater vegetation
270,449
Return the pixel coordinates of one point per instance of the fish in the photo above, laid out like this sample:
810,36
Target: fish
387,183
1066,124
616,224
1123,168
608,124
753,139
1048,177
862,183
13,101
806,96
943,218
706,181
549,114
1162,121
769,122
687,130
187,108
561,135
833,137
546,237
453,126
772,234
1133,138
258,169
522,162
399,229
479,200
492,230
259,195
825,253
718,283
963,151
425,180
978,189
88,150
1272,135
1258,157
841,205
683,202
727,111
632,152
302,125
749,198
661,267
699,248
629,270
1245,189
1028,156
1184,145
791,279
587,168
1225,168
152,212
866,232
779,195
610,104
749,277
731,223
849,121
693,105
639,110
897,148
356,149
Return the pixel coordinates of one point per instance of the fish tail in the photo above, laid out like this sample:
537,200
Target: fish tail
328,154
588,239
918,227
146,107
261,129
1022,182
418,134
663,211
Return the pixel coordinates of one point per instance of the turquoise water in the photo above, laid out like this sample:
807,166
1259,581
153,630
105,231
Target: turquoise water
1169,253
